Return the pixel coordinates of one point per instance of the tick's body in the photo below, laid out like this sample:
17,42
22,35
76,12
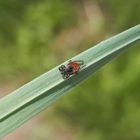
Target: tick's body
73,67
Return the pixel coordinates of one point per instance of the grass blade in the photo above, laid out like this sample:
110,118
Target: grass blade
29,100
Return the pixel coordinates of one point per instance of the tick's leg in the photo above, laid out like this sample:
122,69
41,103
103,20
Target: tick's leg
69,61
83,66
76,73
80,62
66,76
62,68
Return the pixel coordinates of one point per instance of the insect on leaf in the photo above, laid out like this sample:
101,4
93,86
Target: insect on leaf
27,101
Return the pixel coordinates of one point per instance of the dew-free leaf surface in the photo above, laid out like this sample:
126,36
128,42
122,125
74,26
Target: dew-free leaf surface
27,101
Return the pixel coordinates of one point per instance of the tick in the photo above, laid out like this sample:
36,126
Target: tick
71,68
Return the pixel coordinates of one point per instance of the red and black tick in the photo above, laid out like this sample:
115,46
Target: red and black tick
71,68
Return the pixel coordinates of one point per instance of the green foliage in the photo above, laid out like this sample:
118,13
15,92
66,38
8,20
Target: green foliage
27,31
44,90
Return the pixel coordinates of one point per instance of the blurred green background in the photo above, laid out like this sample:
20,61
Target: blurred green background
36,35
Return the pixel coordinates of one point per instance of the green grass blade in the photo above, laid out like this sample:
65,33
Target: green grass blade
27,101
